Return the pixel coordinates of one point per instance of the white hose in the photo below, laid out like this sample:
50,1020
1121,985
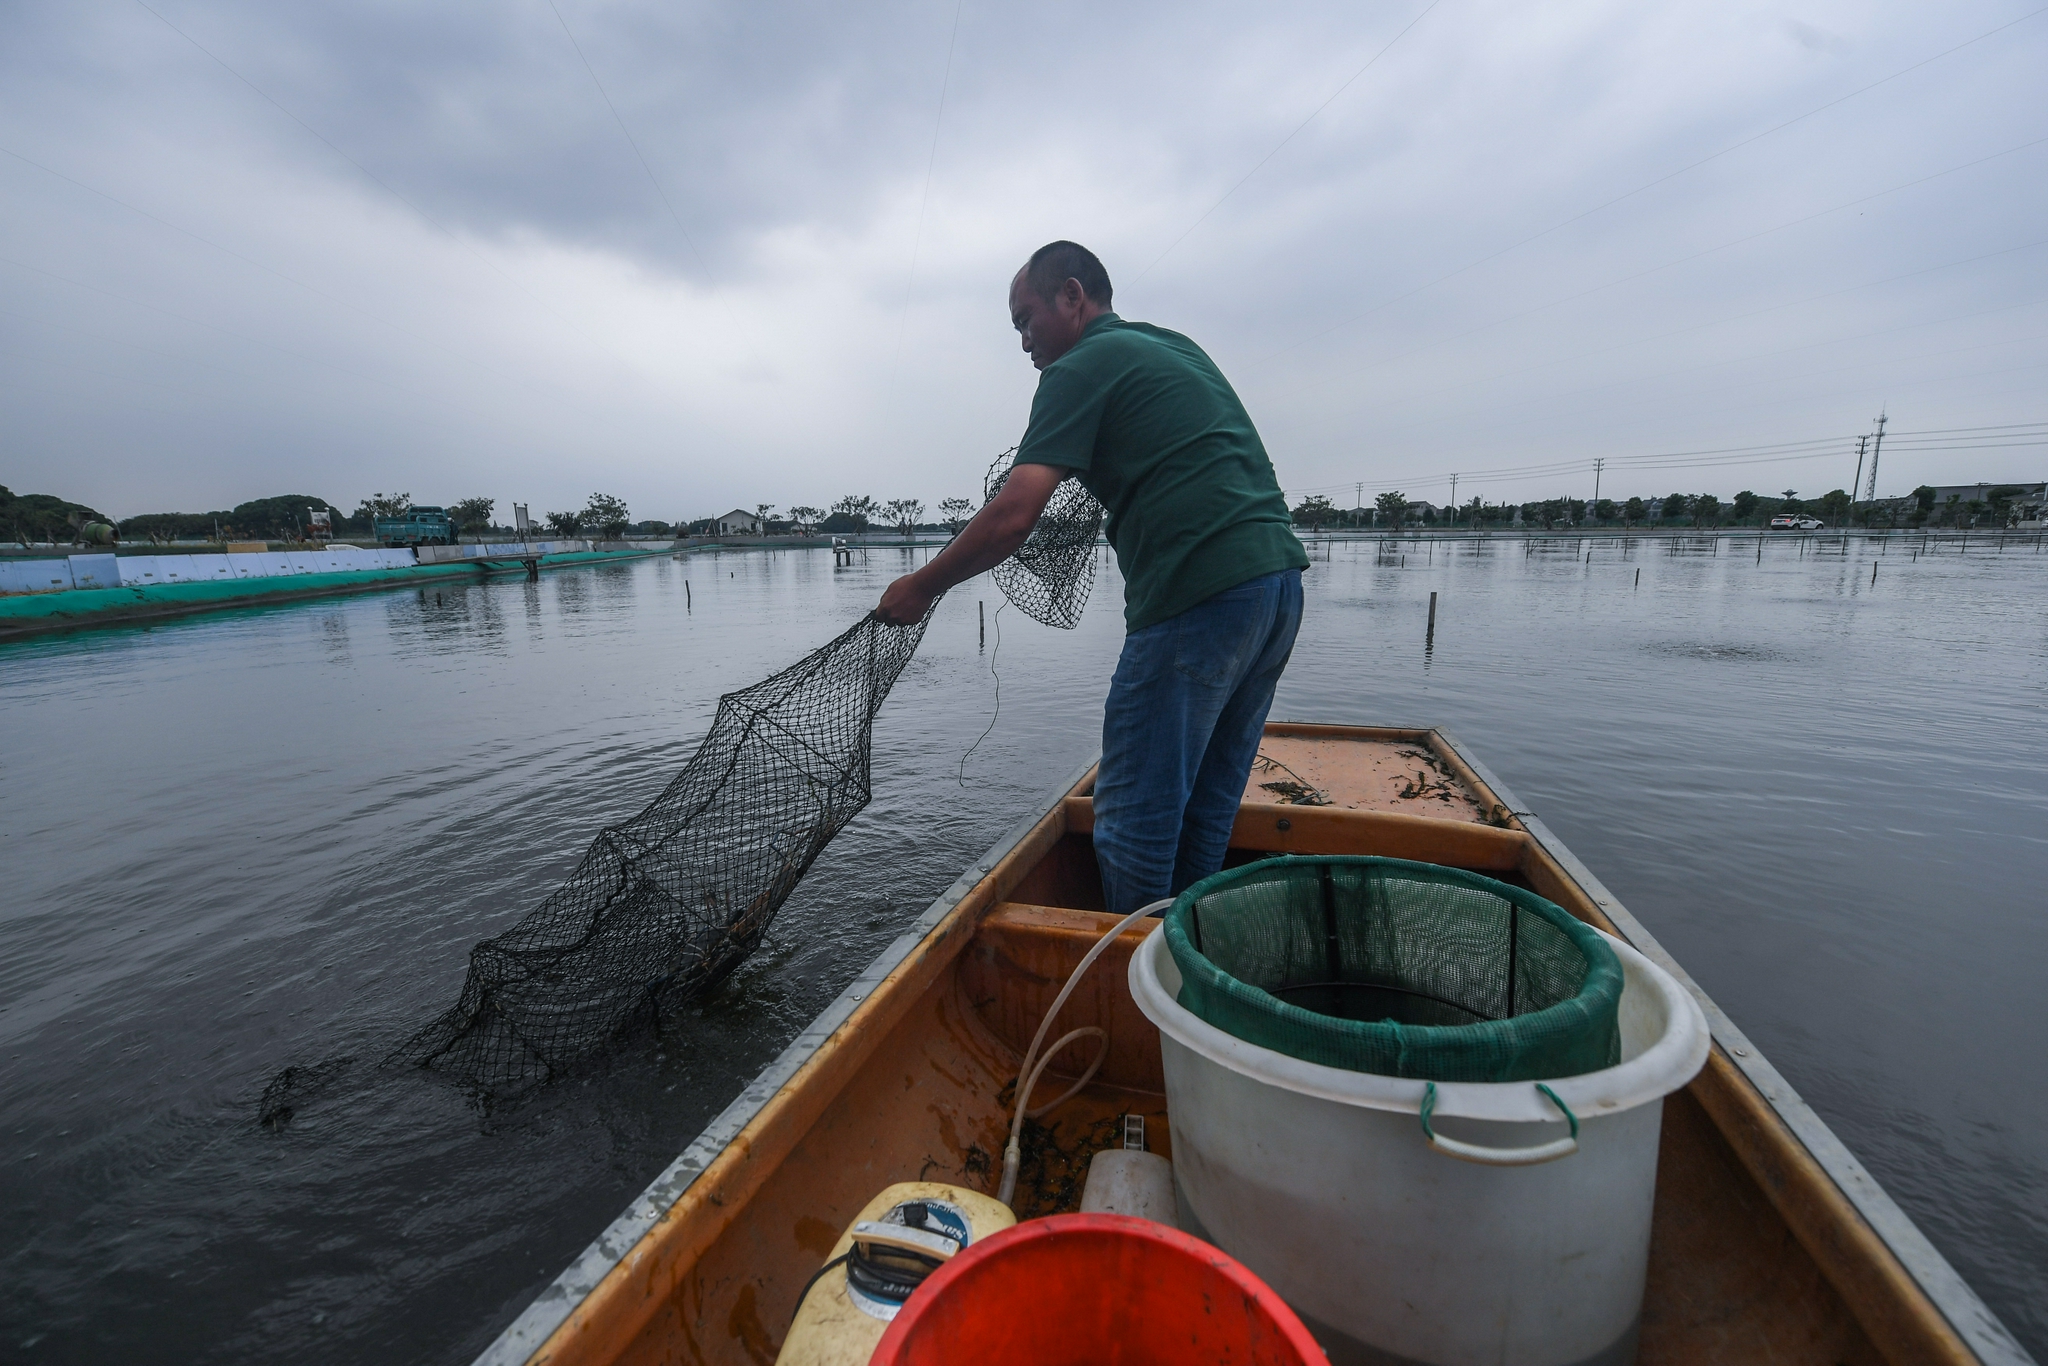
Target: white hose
1027,1075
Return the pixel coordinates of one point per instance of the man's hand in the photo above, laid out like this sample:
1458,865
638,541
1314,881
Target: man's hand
992,537
906,602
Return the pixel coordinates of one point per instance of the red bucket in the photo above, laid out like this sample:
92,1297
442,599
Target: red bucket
1094,1288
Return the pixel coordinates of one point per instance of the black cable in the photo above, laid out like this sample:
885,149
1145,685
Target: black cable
999,694
815,1275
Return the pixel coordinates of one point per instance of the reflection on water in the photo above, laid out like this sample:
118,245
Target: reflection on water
270,837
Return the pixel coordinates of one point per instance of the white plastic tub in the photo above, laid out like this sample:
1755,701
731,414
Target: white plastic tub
1501,1241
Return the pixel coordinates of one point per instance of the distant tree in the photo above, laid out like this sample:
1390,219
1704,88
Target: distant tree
1392,506
1633,511
161,528
1834,505
284,517
1577,508
766,512
2001,503
472,514
905,513
1924,497
1674,507
606,515
852,513
1706,507
567,525
956,513
1745,505
806,519
382,505
1316,511
1605,510
652,527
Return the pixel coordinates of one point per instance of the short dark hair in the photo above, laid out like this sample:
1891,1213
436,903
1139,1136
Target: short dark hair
1055,263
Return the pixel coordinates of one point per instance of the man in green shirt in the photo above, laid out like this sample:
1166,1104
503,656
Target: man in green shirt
1211,566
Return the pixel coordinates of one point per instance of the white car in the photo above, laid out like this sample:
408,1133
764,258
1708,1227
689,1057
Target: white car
1792,522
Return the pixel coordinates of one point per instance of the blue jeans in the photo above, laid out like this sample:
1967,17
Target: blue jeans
1185,714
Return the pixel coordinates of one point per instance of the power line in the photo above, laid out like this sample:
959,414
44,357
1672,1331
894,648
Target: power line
1284,141
2009,436
1647,185
931,164
253,262
1687,259
1465,384
372,176
932,160
652,179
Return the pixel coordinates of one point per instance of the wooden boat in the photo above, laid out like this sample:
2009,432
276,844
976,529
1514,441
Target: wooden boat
1770,1242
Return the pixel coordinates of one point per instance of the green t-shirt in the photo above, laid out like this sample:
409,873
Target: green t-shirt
1152,428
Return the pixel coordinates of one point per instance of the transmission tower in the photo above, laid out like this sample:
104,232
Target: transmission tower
1876,449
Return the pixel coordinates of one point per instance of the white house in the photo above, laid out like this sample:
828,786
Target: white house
739,522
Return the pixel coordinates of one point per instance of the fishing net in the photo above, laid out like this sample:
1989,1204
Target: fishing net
668,903
1050,576
1397,968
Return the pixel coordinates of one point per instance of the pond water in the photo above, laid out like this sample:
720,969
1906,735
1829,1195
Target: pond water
269,837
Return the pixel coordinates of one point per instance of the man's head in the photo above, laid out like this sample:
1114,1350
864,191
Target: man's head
1060,290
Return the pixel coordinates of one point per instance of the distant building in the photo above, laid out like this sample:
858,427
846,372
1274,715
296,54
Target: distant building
739,522
2027,499
1979,493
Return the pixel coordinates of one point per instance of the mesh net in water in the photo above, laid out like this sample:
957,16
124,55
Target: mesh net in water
668,903
1397,968
1050,576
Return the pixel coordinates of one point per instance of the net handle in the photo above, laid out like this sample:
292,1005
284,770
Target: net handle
1501,1157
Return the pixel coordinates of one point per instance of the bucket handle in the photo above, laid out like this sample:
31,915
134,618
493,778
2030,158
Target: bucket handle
1501,1157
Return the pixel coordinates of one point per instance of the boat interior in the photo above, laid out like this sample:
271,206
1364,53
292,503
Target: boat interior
1756,1255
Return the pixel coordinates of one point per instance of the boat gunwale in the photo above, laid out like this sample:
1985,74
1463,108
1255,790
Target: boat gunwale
1966,1314
529,1334
1962,1312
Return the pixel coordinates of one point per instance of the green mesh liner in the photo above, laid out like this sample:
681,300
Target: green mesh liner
1398,968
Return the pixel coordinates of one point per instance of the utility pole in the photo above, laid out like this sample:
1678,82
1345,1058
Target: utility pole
1358,496
1854,484
1876,449
1598,465
1454,500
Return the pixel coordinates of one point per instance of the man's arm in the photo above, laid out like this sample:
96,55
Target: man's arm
992,537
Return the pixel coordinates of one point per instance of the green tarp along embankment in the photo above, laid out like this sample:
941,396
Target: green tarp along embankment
25,613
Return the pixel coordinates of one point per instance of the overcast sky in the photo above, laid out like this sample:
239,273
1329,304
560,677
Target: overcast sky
250,248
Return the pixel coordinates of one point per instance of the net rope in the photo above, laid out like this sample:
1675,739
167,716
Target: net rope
1052,573
668,903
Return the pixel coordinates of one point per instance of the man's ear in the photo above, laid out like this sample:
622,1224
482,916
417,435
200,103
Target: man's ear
1072,295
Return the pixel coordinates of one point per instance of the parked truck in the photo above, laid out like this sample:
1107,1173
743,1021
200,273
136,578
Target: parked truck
416,526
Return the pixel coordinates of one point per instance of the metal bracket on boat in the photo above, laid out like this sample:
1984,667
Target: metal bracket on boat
1501,1157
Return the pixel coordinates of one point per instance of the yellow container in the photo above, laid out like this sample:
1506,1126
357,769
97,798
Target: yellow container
837,1325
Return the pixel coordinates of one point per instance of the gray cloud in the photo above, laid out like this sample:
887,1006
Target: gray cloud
499,301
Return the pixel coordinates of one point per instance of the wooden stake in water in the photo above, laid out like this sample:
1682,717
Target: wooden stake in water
1639,576
686,595
981,613
1430,634
1873,576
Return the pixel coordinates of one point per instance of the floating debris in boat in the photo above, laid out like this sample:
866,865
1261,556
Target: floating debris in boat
1291,790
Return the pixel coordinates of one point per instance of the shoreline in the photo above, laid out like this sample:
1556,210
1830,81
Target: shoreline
34,614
